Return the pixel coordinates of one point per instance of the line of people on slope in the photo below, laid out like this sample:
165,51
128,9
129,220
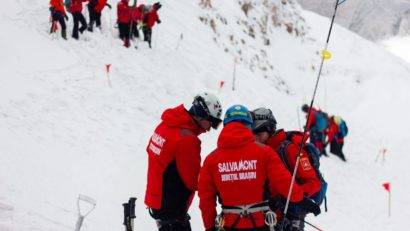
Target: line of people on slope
324,129
245,173
59,9
129,18
133,18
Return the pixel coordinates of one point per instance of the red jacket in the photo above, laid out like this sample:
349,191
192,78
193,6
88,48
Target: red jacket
77,5
137,14
151,17
333,131
312,118
305,175
237,172
100,6
123,12
58,5
174,161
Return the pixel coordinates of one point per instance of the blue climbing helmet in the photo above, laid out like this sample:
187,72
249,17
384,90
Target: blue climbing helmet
238,113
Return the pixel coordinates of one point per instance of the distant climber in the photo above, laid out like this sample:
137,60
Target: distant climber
58,14
124,20
149,20
317,125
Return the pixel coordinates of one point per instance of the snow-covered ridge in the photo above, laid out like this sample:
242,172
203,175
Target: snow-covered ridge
247,35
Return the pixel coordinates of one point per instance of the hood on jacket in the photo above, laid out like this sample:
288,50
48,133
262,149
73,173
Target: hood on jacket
276,140
180,118
235,134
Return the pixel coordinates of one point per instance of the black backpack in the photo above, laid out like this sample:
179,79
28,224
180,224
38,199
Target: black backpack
295,137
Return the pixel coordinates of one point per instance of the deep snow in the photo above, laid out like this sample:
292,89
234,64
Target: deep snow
63,131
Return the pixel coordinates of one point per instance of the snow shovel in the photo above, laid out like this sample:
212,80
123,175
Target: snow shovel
89,203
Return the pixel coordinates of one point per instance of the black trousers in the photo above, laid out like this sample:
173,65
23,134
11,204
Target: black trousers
167,221
78,17
176,227
94,16
147,34
253,229
58,16
336,148
135,33
124,29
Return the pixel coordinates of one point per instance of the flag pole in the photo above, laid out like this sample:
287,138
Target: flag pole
389,203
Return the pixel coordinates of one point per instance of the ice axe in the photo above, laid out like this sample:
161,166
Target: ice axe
85,200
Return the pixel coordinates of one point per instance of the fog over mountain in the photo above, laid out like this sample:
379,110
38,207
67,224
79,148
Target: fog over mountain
372,19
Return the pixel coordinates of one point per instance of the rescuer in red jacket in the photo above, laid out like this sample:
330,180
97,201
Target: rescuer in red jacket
240,172
76,8
336,136
58,14
149,19
137,14
264,128
95,7
174,161
124,20
317,126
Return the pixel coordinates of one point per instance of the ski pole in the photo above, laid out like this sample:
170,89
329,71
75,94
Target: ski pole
310,224
126,216
131,204
131,31
297,111
234,74
129,214
309,112
179,41
156,37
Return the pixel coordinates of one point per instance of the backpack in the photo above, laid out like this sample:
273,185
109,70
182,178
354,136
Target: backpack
295,137
67,4
322,121
342,127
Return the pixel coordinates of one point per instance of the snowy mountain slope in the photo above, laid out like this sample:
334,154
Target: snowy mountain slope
374,20
399,46
63,131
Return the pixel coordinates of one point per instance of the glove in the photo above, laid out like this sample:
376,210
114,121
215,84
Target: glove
158,21
51,9
211,229
108,5
309,206
277,202
66,17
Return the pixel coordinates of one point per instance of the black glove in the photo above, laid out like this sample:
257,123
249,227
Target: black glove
108,5
158,21
211,229
277,202
66,17
309,206
51,9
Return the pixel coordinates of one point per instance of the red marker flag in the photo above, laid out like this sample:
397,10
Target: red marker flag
387,186
221,84
107,66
